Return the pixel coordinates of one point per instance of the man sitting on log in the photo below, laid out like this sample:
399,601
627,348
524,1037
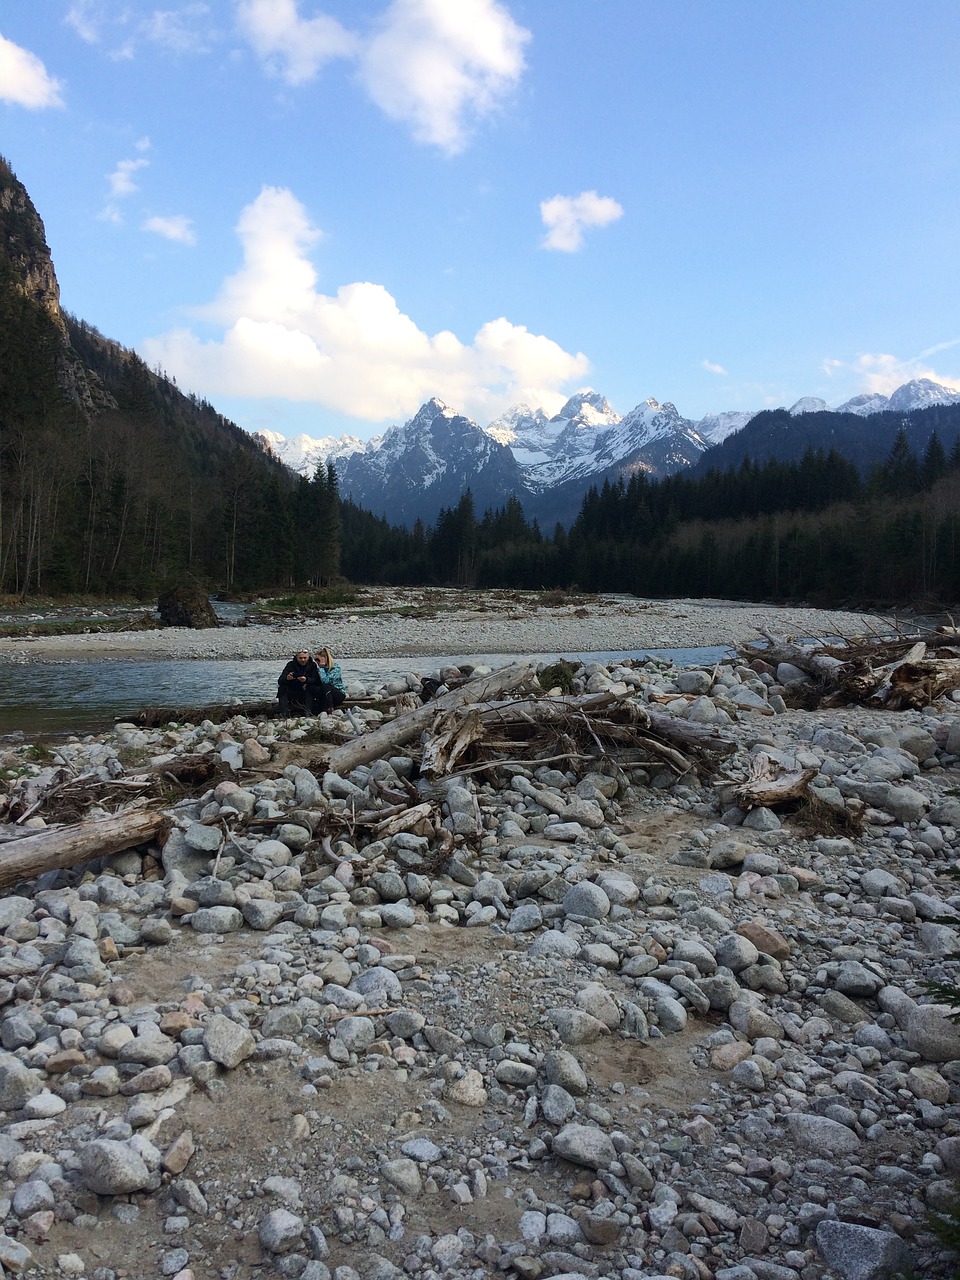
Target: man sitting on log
298,685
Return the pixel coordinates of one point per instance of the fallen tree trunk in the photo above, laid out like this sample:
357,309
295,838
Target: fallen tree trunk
69,846
807,657
769,784
893,674
917,684
375,744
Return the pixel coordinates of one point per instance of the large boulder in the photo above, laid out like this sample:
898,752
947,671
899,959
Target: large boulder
187,605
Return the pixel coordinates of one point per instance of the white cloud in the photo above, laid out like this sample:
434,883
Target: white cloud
568,217
292,47
177,227
354,351
883,373
437,66
24,80
182,30
85,16
714,368
121,180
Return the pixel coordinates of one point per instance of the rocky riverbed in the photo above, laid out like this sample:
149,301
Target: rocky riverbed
610,1026
409,621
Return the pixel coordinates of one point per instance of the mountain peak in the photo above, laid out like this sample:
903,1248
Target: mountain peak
588,407
921,392
808,404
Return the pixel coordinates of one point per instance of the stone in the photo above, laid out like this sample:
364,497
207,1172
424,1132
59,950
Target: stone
585,1145
768,941
17,1083
862,1253
561,1068
403,1174
111,1168
216,920
556,1105
586,899
280,1231
227,1042
930,1033
187,604
467,1090
576,1027
357,1034
553,942
262,913
819,1133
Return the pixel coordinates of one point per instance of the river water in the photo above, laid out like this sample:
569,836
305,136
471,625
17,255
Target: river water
87,697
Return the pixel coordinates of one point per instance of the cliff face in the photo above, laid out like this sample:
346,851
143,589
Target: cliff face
26,255
23,242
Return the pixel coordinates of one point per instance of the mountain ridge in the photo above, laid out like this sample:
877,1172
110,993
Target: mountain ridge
411,472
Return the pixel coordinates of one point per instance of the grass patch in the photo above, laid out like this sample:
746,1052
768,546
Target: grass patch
558,599
558,675
814,818
310,601
82,626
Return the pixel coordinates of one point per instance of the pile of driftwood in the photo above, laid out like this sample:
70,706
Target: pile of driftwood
495,720
895,673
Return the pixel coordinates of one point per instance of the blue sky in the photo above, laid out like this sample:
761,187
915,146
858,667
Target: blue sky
318,213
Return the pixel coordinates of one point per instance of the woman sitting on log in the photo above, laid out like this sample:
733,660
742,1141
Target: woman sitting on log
298,684
330,691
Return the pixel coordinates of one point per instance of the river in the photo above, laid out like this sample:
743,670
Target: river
87,697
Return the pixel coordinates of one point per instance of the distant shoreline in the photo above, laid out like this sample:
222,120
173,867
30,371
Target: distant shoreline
466,623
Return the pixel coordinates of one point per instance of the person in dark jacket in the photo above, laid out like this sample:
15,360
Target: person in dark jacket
330,692
298,684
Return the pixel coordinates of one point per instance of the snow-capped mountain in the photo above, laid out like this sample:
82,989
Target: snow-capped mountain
416,469
920,394
808,404
304,454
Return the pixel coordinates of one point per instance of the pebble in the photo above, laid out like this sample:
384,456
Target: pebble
787,969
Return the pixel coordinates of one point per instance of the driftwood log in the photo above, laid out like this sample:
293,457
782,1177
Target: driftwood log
769,784
894,674
396,733
69,846
577,726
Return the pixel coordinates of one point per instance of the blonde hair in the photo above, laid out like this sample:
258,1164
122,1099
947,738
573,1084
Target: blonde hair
326,654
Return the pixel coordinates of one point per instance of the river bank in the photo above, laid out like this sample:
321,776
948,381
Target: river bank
412,622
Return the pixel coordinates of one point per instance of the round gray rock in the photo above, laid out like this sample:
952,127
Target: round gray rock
111,1168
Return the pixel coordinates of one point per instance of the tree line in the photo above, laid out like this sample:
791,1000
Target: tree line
816,529
148,485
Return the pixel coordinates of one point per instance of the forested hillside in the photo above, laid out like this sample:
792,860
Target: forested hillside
813,529
776,433
112,480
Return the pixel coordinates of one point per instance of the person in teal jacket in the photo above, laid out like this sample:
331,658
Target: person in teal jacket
329,693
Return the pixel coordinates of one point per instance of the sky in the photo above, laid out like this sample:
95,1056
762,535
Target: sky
317,214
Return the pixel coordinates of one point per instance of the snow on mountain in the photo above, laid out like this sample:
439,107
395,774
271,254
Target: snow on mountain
524,429
304,454
864,405
715,427
809,404
416,469
429,463
920,393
